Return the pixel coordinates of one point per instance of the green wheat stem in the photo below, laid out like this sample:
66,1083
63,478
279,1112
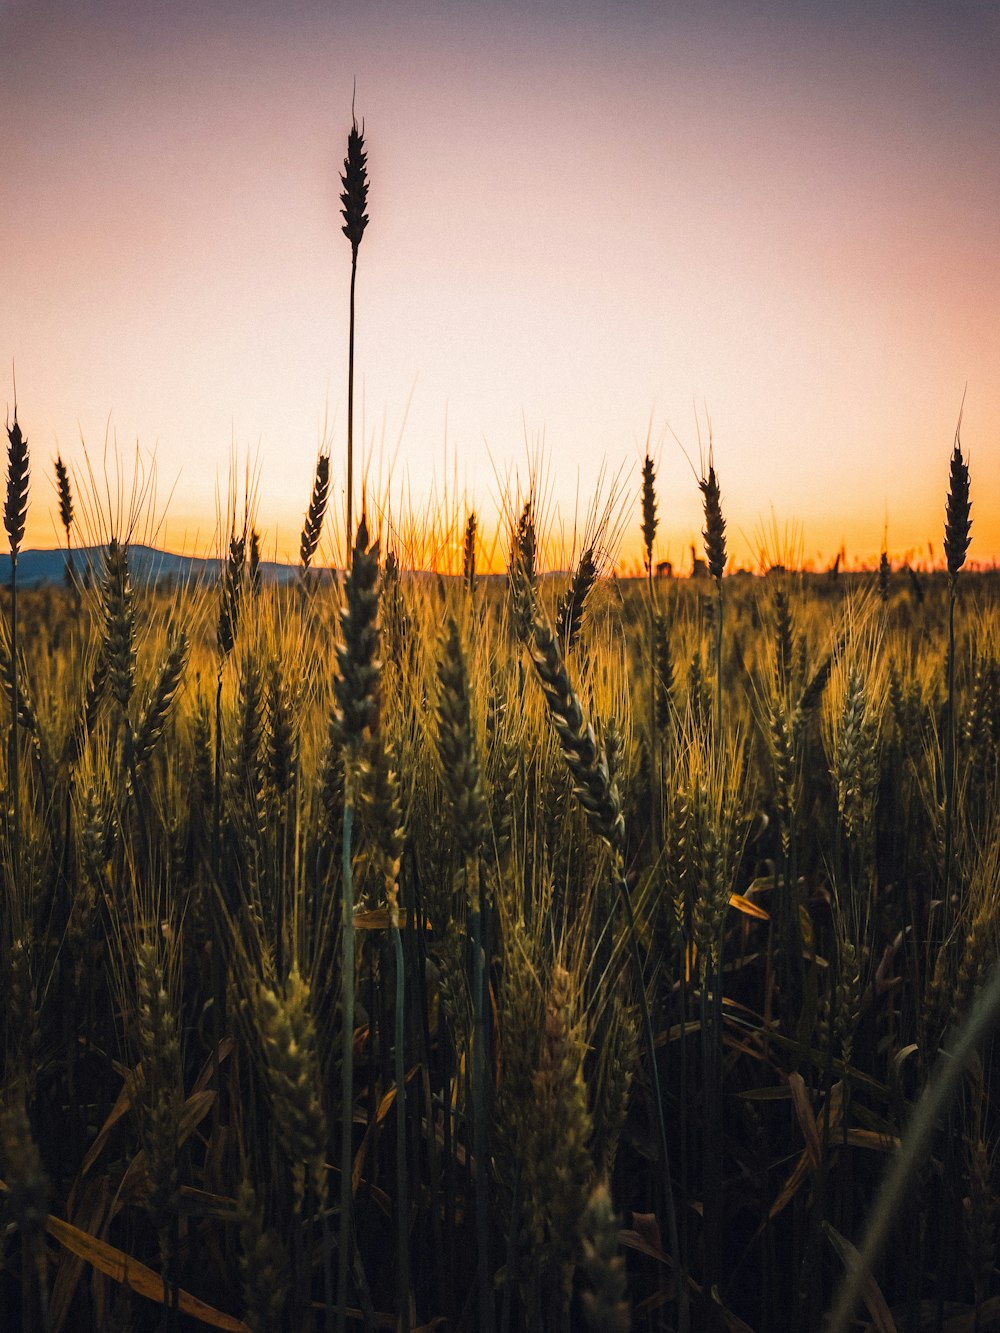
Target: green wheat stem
13,746
661,1121
350,413
484,1280
949,759
402,1207
710,1005
133,772
718,657
15,512
654,738
649,524
682,998
957,532
217,793
347,1059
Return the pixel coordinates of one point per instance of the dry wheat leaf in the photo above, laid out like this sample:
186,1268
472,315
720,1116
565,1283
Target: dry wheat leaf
747,907
136,1276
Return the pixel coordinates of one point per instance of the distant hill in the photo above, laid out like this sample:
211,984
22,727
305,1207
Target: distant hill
147,564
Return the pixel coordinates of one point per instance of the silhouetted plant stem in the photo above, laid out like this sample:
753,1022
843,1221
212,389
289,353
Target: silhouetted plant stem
710,1003
680,1273
15,514
354,200
714,534
718,656
347,1057
649,524
13,746
479,1128
350,412
402,1206
356,695
957,531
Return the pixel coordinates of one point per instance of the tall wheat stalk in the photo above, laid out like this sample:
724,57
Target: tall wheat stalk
384,816
715,552
355,201
312,525
460,764
14,516
66,518
229,613
649,523
957,530
469,554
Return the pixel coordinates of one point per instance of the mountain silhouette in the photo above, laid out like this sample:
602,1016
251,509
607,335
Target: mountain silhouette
147,564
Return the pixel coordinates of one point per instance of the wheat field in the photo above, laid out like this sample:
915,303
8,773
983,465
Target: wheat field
401,950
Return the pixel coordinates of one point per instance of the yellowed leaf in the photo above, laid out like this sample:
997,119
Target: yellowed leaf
869,1138
377,918
747,907
805,1117
136,1276
800,1173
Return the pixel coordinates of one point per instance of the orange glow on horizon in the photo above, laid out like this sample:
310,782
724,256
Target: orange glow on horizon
439,545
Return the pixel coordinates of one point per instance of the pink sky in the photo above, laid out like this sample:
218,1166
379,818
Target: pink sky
587,220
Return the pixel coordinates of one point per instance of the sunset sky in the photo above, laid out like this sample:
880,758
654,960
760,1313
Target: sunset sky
590,219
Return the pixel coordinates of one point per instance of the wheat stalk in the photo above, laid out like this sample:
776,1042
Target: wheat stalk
605,1307
649,521
355,201
254,575
557,1164
383,807
459,757
154,719
264,1266
457,747
599,796
585,758
14,518
957,534
66,518
312,527
521,570
469,553
714,535
356,695
287,1031
570,614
